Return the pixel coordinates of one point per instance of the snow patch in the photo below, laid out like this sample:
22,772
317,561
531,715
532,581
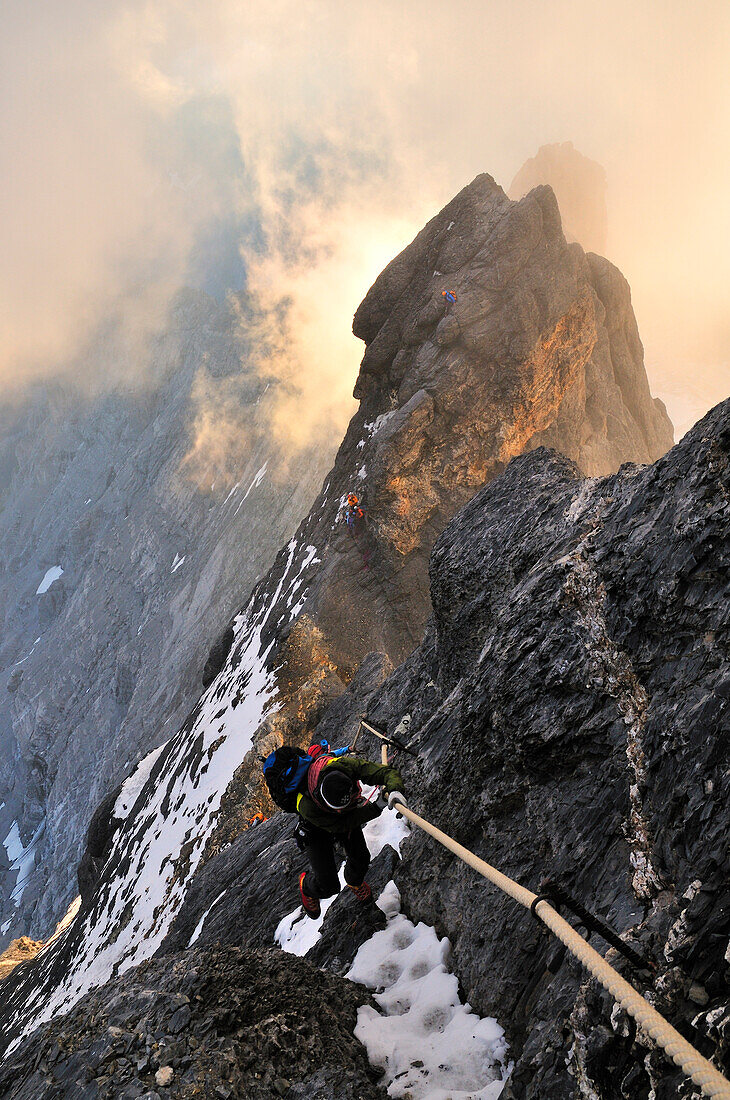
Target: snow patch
431,1046
256,481
201,922
297,932
310,558
22,858
5,926
13,844
374,426
28,655
132,786
235,489
177,563
52,575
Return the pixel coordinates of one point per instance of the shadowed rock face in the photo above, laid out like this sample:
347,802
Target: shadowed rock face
538,345
571,706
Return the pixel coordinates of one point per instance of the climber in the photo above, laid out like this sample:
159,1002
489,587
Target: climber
325,794
353,511
449,298
256,819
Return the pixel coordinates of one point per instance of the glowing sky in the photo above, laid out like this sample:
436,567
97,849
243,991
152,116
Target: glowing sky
298,145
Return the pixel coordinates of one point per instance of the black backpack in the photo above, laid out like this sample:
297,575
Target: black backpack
285,772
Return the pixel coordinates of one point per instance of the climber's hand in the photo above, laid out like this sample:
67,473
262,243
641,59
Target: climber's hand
394,798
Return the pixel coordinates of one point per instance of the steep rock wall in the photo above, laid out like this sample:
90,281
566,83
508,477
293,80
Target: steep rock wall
570,710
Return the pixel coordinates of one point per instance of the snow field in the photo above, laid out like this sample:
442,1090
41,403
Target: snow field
166,822
431,1046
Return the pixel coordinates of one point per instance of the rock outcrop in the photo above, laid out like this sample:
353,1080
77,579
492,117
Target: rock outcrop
579,184
219,1023
540,346
19,951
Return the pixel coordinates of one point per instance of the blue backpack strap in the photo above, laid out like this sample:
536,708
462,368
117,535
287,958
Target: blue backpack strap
296,775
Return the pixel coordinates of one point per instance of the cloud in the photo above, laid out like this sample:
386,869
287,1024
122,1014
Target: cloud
220,432
311,139
88,217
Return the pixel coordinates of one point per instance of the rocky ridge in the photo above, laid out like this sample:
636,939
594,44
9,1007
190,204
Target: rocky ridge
541,346
570,710
216,1023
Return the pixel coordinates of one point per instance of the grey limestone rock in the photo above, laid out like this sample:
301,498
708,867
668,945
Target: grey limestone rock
153,565
258,1025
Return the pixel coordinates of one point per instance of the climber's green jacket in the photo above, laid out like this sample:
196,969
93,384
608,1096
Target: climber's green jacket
376,775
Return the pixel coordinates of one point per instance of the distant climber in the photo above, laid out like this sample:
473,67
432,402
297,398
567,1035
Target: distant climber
449,298
356,525
256,820
323,788
353,511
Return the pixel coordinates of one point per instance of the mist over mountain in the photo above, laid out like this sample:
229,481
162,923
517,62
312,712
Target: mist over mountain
131,523
579,184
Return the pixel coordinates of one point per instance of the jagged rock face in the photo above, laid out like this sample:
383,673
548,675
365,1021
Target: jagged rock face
447,399
571,706
541,347
107,661
579,184
217,1023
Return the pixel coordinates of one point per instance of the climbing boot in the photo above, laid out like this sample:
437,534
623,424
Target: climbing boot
310,906
362,892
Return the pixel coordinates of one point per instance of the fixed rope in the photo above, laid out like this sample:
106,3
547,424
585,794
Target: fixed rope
689,1060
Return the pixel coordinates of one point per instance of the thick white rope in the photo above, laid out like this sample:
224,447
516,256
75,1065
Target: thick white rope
689,1060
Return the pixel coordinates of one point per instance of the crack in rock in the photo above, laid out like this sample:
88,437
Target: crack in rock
586,593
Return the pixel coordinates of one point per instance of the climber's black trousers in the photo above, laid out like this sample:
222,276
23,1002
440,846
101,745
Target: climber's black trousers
323,881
